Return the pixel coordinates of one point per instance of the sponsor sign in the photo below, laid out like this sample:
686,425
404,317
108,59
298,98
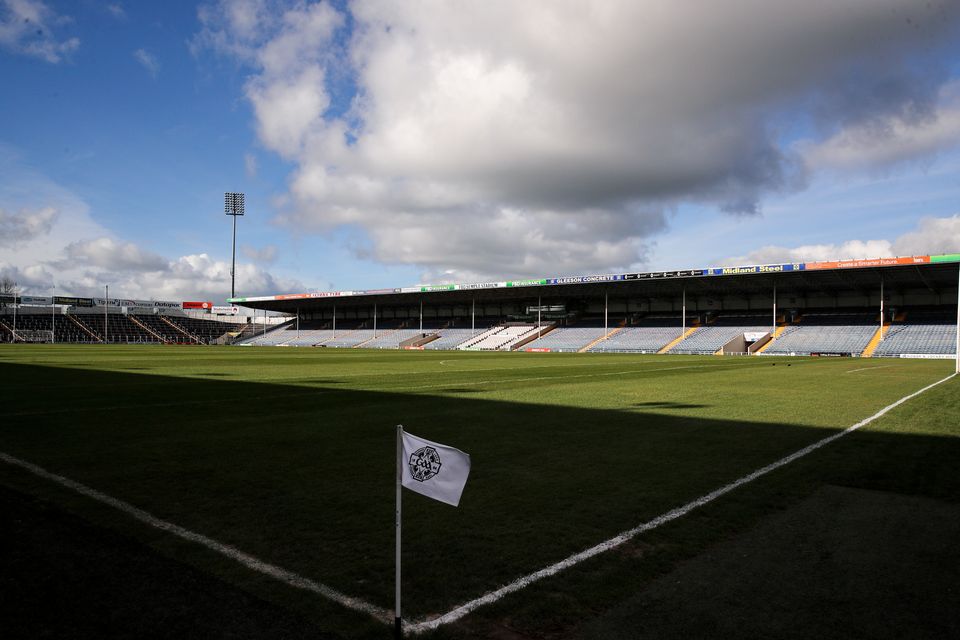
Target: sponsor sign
929,356
537,350
164,304
875,262
753,336
378,292
948,257
225,311
765,268
34,299
116,302
141,310
73,302
653,275
197,305
584,279
408,348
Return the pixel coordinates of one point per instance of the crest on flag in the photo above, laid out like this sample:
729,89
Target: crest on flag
419,465
424,464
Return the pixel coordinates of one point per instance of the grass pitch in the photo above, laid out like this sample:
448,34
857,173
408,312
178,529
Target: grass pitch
288,454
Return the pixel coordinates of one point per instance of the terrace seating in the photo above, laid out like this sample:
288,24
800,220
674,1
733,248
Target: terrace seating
349,339
499,338
711,338
115,327
451,338
392,339
206,330
921,333
638,340
844,333
567,339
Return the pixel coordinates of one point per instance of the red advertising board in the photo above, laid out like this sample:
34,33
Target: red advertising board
197,305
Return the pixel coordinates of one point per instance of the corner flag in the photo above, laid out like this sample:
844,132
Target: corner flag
434,470
431,469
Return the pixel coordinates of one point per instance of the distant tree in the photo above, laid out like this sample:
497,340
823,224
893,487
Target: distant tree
7,287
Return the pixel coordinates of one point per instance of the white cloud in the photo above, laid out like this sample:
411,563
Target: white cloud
110,254
26,27
52,239
496,138
892,140
16,228
117,11
931,237
148,61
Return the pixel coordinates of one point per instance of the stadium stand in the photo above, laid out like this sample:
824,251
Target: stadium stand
452,338
647,335
921,332
827,333
638,340
711,338
391,339
499,338
567,339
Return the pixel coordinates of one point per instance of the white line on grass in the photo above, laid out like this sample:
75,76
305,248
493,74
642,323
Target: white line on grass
493,596
456,613
883,366
233,553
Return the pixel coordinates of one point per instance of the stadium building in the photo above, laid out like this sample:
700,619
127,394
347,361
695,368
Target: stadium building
894,307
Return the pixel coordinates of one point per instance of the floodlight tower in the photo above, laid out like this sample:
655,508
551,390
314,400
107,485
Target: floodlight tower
233,206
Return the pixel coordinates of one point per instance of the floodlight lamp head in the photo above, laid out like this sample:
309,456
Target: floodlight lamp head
233,204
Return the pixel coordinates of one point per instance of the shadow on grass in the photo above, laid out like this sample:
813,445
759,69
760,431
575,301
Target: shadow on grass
669,405
303,477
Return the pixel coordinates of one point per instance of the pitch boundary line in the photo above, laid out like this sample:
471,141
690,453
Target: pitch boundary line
882,366
491,597
386,616
247,560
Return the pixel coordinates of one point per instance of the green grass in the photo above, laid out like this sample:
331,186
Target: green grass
288,454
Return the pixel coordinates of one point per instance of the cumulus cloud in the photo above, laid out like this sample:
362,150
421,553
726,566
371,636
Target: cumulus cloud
148,61
496,138
932,236
111,254
27,28
16,228
59,243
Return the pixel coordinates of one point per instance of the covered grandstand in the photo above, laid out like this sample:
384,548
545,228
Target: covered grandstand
891,307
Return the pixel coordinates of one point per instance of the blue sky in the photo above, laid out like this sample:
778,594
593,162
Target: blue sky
390,143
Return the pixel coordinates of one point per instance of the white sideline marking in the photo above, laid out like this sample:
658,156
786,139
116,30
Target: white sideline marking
493,596
883,366
386,616
233,553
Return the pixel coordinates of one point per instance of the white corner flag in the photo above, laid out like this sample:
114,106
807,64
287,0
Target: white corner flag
434,470
431,469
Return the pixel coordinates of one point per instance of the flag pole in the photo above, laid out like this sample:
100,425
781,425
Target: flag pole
397,622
